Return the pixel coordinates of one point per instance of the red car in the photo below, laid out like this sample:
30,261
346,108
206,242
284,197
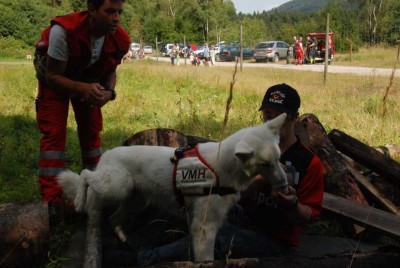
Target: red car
321,39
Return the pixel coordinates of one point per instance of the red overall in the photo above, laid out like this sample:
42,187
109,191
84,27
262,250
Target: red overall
299,53
53,104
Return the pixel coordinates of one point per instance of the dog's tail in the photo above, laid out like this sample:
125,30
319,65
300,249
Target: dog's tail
69,182
75,187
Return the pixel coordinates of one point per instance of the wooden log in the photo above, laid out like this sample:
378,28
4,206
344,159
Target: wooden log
24,234
160,136
366,155
337,176
163,137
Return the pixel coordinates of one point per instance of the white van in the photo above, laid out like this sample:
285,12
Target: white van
167,50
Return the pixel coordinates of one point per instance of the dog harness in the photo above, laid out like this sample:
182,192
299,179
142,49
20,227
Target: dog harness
193,176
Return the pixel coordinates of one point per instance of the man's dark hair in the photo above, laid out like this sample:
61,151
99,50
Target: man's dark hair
98,3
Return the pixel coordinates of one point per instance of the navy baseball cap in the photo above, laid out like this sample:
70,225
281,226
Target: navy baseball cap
282,98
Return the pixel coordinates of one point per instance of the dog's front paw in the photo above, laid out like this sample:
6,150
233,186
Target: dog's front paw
78,205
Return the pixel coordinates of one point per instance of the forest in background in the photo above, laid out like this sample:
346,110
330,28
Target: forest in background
355,22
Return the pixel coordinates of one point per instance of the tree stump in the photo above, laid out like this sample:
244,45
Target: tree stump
24,234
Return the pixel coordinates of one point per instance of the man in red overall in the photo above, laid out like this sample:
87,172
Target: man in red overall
84,49
299,51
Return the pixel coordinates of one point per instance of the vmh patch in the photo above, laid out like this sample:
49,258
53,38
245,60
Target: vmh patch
192,174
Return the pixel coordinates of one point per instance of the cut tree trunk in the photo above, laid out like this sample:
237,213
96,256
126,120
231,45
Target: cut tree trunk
337,176
163,137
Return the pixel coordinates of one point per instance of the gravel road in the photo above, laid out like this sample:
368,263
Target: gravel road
333,68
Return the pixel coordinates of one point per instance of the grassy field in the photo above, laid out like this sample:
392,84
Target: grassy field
192,100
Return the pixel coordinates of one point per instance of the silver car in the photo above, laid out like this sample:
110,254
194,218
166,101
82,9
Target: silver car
271,50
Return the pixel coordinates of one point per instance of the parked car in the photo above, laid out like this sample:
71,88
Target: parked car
134,47
167,50
218,48
231,53
320,53
271,50
148,49
199,51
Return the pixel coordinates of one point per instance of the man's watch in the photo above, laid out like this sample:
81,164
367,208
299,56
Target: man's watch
113,94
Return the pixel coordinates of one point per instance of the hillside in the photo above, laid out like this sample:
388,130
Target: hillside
306,5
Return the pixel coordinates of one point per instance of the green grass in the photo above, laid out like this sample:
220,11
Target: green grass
377,57
189,99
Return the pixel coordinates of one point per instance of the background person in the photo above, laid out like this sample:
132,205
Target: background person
212,55
83,53
311,49
265,223
206,54
299,50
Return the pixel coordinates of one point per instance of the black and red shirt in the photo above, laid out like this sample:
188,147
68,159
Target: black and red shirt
263,212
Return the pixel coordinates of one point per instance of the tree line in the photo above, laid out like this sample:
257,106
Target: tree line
366,22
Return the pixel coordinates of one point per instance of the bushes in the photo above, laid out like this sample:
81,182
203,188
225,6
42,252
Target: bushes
13,48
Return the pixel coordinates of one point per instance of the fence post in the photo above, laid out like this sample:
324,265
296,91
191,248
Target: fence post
326,48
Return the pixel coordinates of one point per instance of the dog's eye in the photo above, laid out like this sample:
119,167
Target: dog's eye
266,165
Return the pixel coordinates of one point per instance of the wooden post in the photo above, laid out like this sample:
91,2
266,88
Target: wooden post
185,48
241,47
157,49
398,49
326,48
351,50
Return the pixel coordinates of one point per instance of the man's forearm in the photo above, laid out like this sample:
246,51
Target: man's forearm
63,83
110,81
300,215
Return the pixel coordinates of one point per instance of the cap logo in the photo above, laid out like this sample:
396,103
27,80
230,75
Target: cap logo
277,97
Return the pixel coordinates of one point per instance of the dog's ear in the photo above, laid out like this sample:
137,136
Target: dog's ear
243,151
275,124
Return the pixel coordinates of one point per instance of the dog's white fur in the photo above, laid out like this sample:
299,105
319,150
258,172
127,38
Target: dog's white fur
139,175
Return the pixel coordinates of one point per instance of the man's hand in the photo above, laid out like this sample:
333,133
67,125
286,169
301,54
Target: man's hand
107,98
93,93
288,199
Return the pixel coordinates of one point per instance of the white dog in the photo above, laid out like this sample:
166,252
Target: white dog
140,175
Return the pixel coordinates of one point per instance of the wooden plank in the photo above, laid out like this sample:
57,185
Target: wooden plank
366,155
375,192
363,215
